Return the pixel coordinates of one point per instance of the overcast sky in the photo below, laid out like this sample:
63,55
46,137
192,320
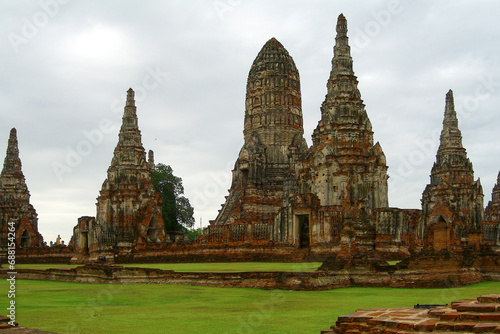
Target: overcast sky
66,67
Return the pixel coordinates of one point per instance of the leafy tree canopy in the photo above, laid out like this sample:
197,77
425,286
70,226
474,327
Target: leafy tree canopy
177,212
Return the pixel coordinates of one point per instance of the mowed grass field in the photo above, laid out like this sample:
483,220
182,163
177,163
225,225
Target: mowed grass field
66,307
203,267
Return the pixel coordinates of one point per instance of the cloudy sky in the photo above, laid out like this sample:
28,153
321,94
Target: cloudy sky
66,67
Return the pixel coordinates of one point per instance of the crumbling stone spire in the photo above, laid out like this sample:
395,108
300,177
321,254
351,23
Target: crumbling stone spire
451,137
452,198
273,112
492,211
128,206
342,83
451,153
130,98
273,134
353,169
12,163
151,160
129,138
12,172
342,60
15,200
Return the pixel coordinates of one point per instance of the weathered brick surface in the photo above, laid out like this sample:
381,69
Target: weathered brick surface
307,197
273,134
128,206
335,192
463,316
15,202
452,203
288,202
491,225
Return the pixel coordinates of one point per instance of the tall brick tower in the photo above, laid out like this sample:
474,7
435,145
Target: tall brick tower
128,206
273,135
452,204
15,200
345,167
492,212
491,224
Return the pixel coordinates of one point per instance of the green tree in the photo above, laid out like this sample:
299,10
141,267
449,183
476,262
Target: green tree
177,212
195,233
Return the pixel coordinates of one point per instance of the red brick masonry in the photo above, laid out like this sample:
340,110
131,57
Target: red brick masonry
477,315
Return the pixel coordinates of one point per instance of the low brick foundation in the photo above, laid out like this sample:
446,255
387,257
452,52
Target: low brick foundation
319,280
477,315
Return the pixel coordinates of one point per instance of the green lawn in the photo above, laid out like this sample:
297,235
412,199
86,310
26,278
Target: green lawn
147,308
204,267
231,266
43,266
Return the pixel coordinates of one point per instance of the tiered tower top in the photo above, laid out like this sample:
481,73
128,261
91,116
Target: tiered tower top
451,137
451,154
12,163
342,61
273,101
452,195
343,107
12,177
492,212
129,151
342,85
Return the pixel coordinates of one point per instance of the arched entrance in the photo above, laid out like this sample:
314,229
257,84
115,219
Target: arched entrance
24,242
153,229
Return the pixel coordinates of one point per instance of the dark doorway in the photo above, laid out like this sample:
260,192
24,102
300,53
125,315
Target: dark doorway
24,242
303,231
85,242
152,229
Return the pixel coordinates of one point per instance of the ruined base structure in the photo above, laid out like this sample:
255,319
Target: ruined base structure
283,192
128,206
332,197
290,202
475,315
452,204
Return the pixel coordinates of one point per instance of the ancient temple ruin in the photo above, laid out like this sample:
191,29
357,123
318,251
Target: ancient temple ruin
491,224
128,206
333,196
343,178
287,201
15,201
452,204
291,194
344,168
273,132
